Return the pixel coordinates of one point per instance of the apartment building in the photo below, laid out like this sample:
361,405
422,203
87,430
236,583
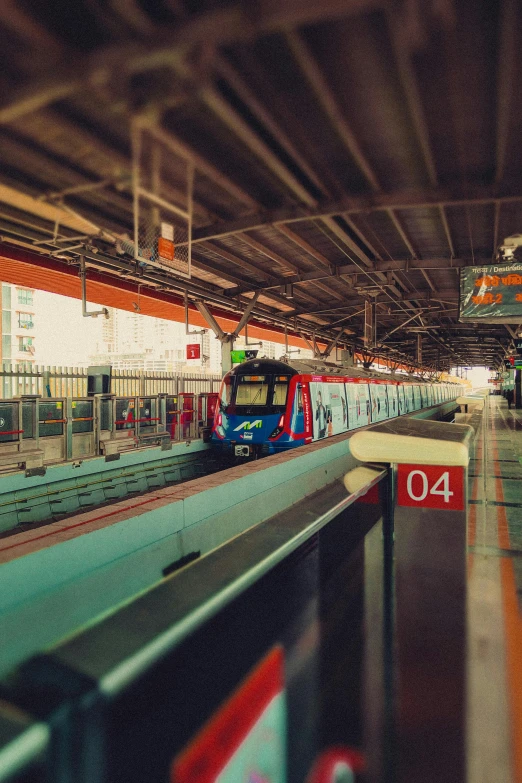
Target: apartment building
18,325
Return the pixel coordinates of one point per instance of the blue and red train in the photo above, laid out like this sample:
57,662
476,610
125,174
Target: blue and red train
267,406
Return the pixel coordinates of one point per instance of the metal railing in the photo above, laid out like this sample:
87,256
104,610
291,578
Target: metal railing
54,381
37,431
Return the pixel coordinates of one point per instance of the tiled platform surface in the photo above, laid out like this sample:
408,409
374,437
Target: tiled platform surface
495,598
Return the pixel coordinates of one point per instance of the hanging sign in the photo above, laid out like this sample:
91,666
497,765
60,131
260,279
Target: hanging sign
491,294
242,356
194,351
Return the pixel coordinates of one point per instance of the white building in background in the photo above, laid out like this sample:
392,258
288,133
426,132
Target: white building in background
19,325
41,328
138,342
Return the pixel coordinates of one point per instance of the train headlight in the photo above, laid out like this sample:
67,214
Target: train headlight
279,429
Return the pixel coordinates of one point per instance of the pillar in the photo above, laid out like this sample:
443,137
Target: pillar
227,346
518,388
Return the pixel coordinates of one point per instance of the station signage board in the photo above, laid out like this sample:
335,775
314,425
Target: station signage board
194,351
242,356
431,486
491,294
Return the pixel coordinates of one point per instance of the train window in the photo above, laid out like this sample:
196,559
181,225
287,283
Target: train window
252,390
299,399
280,390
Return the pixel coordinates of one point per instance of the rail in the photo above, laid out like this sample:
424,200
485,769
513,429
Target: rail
315,640
54,381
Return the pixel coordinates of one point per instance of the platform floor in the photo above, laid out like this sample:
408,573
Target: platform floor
495,598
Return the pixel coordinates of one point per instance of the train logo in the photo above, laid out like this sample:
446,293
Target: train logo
249,425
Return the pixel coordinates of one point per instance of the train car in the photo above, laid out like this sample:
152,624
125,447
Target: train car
266,406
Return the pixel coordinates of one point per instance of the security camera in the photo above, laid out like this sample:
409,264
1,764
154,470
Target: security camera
511,249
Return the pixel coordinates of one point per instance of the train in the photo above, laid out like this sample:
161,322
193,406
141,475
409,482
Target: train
266,406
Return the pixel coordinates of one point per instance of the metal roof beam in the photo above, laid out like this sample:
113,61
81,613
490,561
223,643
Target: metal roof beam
243,91
326,99
428,280
266,251
203,166
255,144
214,28
506,60
330,223
241,262
303,245
379,202
402,233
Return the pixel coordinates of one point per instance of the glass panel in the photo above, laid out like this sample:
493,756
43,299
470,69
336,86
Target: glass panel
6,321
25,321
280,393
25,296
251,393
6,296
6,346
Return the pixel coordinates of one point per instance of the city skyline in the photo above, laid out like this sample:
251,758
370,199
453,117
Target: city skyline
59,335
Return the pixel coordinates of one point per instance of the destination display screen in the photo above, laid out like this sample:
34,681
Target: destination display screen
491,294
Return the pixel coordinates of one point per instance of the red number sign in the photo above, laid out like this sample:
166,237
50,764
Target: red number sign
194,351
431,486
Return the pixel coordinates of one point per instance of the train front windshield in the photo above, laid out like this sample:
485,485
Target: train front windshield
255,394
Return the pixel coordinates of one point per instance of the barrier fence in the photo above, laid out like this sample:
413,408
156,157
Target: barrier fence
52,381
312,647
37,431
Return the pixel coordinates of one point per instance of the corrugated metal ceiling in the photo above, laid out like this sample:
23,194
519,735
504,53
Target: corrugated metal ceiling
357,149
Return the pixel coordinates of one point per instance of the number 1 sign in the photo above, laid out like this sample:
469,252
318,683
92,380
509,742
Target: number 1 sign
430,486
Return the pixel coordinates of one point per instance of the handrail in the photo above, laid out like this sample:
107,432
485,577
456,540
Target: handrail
176,608
413,441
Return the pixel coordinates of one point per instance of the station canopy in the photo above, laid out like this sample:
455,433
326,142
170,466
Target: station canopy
339,161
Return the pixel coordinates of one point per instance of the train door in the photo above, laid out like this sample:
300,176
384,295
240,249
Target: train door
424,395
351,399
319,412
408,394
296,406
401,399
358,398
336,412
417,401
379,402
393,401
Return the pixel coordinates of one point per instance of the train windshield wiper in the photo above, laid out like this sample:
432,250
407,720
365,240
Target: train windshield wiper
252,402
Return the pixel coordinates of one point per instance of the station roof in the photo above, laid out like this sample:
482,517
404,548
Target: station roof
344,151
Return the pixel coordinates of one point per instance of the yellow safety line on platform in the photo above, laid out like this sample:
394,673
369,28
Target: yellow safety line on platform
512,623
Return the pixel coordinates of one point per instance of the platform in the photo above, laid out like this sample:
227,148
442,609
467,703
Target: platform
495,598
336,644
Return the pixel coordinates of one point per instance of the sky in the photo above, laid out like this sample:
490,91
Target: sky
65,337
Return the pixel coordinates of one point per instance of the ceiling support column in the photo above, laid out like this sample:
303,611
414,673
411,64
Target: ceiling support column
370,324
226,340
